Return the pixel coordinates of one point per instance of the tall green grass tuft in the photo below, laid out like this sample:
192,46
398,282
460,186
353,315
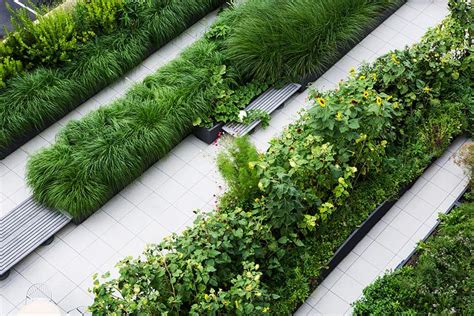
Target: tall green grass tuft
97,156
144,27
292,39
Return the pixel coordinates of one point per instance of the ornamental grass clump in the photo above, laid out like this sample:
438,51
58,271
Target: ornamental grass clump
294,39
262,252
96,157
115,36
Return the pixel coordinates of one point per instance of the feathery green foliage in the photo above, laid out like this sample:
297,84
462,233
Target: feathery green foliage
293,39
97,156
144,26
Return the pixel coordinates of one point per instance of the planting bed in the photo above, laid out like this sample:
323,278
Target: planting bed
116,144
34,100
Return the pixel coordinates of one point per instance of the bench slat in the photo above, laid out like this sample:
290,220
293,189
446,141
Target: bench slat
24,229
268,102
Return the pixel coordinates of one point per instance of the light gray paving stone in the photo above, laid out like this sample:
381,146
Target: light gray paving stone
347,261
189,203
34,145
456,145
431,194
316,296
393,264
395,22
459,189
154,178
421,233
452,167
420,208
14,288
79,238
373,43
117,207
14,159
377,229
20,195
172,190
60,286
11,183
384,32
78,269
170,164
303,310
418,185
431,171
323,84
332,278
188,176
377,255
117,236
314,312
73,115
347,288
207,189
391,239
5,306
405,224
136,192
186,150
154,233
360,53
408,13
77,297
104,97
83,109
362,245
331,304
58,254
99,221
391,214
134,248
173,219
39,272
26,262
444,158
136,220
138,73
426,21
3,170
404,200
154,61
154,205
362,271
335,75
97,253
445,180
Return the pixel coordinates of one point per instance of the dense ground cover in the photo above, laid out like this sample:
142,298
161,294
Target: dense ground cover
51,67
439,282
97,156
288,210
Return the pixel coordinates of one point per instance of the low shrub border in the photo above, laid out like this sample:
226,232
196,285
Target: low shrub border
288,210
96,157
437,281
35,100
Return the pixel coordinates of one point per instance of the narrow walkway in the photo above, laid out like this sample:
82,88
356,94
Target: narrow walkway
162,199
392,239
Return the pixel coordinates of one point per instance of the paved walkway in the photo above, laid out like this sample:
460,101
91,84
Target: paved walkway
393,238
162,200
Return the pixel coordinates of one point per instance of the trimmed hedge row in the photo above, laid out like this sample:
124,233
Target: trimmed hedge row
97,156
440,281
33,101
290,209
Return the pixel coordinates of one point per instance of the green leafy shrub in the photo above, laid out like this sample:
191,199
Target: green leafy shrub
311,194
237,166
291,39
440,281
101,15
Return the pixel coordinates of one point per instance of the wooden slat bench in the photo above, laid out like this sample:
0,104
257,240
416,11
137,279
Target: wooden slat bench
24,229
268,102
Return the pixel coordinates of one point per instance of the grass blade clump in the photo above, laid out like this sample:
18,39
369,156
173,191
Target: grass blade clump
291,39
97,156
143,27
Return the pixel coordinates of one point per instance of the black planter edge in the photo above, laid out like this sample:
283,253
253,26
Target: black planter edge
305,81
456,203
208,135
35,131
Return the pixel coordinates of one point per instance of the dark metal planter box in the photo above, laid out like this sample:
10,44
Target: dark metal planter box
208,135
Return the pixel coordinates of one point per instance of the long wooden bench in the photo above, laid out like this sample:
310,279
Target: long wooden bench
24,229
268,102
